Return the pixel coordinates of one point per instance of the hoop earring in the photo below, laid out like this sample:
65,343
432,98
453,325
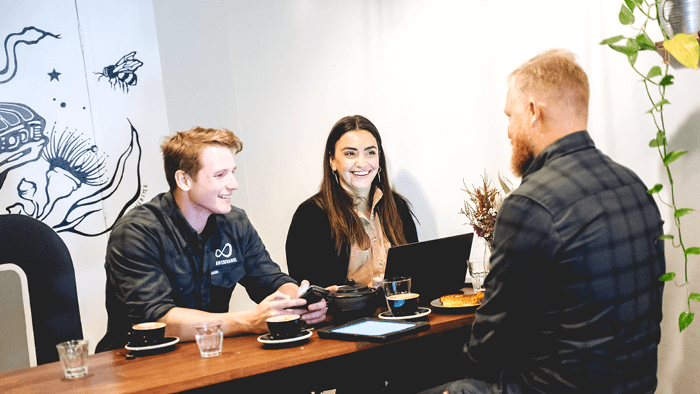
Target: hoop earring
336,176
379,175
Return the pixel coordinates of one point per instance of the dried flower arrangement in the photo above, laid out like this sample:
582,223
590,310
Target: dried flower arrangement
481,208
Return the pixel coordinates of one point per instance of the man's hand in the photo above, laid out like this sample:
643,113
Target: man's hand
316,313
275,304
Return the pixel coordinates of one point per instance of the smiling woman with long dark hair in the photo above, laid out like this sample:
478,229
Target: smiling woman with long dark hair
343,232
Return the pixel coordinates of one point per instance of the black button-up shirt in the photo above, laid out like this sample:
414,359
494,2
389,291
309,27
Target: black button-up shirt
156,261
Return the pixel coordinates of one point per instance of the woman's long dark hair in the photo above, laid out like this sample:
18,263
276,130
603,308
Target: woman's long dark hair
346,227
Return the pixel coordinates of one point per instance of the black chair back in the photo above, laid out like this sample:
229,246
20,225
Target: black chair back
44,258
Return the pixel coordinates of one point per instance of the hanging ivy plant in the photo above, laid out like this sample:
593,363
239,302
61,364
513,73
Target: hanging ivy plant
686,50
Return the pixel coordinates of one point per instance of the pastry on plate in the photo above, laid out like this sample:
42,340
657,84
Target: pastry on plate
461,300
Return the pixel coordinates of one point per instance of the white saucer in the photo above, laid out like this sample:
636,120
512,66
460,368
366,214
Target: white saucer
167,341
390,316
268,340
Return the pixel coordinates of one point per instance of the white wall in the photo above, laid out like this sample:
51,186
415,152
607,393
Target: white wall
431,76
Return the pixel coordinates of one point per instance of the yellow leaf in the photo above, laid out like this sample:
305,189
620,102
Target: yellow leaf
685,49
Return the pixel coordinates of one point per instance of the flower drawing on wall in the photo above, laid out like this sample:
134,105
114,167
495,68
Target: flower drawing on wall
72,163
107,191
63,178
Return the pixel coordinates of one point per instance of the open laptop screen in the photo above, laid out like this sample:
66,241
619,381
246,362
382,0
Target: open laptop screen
436,267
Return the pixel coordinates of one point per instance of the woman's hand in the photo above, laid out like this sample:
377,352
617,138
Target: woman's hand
377,281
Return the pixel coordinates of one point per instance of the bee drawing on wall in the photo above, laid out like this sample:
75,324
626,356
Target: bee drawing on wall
122,73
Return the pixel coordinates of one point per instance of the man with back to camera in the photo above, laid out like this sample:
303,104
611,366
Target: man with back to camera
573,300
177,258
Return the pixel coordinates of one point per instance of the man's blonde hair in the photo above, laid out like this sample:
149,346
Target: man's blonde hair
554,73
182,150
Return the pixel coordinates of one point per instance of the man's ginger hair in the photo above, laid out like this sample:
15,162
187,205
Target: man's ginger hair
182,150
554,73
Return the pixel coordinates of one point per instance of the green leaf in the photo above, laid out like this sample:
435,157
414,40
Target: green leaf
626,17
684,320
667,80
685,49
654,72
629,51
657,188
632,44
666,236
660,140
682,212
661,103
673,156
694,297
630,4
693,250
667,276
611,40
658,105
645,43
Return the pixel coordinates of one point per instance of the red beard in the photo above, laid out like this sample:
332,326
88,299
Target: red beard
522,155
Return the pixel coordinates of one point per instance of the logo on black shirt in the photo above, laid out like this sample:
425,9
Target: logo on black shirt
225,252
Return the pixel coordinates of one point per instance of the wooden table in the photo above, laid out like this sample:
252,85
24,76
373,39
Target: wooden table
245,363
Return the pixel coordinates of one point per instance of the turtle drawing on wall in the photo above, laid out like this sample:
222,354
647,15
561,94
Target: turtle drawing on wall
62,179
22,137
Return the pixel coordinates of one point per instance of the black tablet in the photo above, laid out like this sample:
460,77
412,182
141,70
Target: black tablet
373,330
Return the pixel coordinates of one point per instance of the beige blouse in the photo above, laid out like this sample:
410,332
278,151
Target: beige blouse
366,267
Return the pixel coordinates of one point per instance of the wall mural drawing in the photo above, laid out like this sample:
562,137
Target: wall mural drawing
22,137
123,72
86,166
65,163
59,176
30,36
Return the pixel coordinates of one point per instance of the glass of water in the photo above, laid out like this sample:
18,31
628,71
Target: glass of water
209,338
73,355
477,271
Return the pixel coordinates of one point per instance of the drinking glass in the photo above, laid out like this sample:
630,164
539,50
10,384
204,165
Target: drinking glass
399,285
399,299
73,355
477,271
209,338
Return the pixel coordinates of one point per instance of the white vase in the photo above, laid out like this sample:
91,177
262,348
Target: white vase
487,257
478,265
480,256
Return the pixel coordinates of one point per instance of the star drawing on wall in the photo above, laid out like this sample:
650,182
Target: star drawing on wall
54,75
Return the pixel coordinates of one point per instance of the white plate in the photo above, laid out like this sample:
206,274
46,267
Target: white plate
390,316
268,340
169,341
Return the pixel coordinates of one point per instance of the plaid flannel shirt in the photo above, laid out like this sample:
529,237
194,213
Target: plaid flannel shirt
573,300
